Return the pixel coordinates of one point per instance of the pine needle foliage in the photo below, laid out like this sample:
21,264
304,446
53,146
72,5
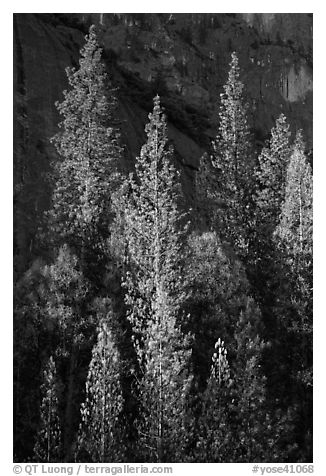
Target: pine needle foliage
70,321
154,231
294,240
294,233
89,155
164,388
232,145
65,293
101,430
271,175
295,227
228,175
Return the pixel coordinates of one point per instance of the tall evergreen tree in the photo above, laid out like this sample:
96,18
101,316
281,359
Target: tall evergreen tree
48,446
275,277
271,175
295,227
294,307
86,176
294,231
89,154
232,145
101,429
264,270
154,230
233,163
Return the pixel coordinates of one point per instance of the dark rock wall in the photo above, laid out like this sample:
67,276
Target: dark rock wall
183,57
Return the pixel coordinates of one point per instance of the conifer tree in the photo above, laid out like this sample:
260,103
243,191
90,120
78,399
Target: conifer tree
295,305
271,175
214,431
101,429
232,163
264,429
293,241
89,154
163,388
232,144
235,423
251,417
295,228
65,292
67,313
154,229
48,447
276,276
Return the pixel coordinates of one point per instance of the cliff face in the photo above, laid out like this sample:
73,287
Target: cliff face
183,57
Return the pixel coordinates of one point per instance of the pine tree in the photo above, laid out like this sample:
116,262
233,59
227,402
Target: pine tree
86,176
295,228
250,408
65,293
101,429
271,176
294,232
294,307
235,422
293,241
89,156
48,447
264,270
233,164
67,313
164,387
214,431
154,229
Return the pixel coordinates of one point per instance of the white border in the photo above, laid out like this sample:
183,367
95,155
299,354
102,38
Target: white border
319,126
